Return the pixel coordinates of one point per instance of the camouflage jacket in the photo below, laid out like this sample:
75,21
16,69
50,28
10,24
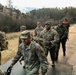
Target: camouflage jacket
37,31
62,31
34,57
67,25
2,36
51,36
19,41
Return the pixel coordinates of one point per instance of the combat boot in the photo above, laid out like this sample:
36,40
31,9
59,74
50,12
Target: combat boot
53,64
64,54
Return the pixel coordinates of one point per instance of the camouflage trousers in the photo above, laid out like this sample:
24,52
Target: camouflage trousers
33,71
52,53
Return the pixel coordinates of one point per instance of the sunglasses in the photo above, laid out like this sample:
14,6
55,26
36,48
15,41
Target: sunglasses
47,24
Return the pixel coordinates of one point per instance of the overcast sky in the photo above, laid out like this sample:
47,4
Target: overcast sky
22,4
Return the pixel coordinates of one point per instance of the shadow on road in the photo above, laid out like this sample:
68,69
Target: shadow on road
60,69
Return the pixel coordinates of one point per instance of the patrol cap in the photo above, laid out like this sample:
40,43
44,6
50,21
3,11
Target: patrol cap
38,22
25,34
23,27
47,23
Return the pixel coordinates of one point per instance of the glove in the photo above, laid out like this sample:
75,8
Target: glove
9,70
47,43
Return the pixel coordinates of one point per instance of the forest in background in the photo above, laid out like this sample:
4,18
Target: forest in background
8,23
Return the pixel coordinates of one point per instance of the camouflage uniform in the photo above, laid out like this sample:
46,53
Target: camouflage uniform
3,41
67,25
62,31
53,37
22,28
38,30
34,57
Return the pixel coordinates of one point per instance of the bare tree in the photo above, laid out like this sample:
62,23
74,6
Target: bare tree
9,4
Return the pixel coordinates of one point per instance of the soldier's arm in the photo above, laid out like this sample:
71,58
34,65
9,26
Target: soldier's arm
22,58
65,34
35,33
16,58
68,25
14,61
19,41
56,38
42,59
41,34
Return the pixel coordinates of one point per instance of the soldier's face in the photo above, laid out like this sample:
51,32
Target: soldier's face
60,24
38,25
47,27
26,41
22,30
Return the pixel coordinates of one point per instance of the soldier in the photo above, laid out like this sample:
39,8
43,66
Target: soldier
38,29
22,28
3,41
67,25
62,31
4,73
50,37
33,54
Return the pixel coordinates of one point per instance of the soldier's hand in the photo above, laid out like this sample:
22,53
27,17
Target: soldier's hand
9,70
47,43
